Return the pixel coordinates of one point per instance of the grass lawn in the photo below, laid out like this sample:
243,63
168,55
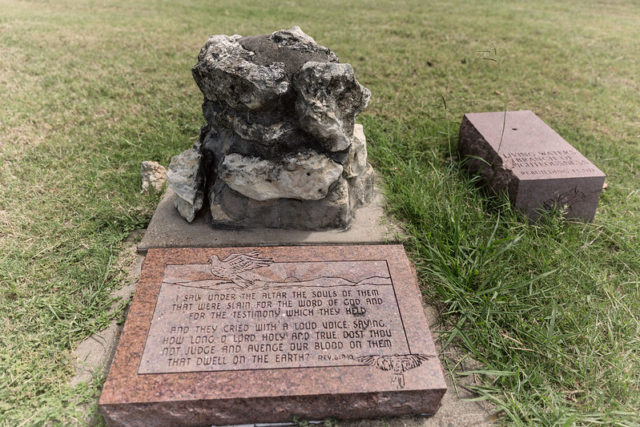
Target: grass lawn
90,89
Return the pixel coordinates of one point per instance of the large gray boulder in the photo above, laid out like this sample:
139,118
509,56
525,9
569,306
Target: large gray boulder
280,147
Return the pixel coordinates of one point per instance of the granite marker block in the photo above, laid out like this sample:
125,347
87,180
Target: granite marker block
531,162
243,335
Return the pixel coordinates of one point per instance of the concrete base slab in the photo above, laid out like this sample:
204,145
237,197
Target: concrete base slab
92,357
168,229
93,354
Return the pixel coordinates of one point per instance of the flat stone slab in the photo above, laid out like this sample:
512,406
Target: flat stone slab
168,229
518,153
243,335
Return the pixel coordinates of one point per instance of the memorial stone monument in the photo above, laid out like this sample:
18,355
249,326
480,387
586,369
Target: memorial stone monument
517,153
231,335
280,148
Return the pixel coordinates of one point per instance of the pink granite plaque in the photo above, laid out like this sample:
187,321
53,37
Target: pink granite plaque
516,152
238,335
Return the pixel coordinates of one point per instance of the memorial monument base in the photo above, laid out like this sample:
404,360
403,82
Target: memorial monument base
168,229
271,410
219,336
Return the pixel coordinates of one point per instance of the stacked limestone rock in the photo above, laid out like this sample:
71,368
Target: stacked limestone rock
280,147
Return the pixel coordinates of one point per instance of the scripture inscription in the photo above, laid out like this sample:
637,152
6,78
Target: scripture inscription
245,335
517,153
541,163
247,312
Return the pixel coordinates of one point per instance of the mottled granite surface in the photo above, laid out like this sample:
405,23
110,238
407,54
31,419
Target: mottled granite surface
393,371
517,153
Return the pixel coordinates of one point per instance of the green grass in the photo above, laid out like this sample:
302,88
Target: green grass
88,90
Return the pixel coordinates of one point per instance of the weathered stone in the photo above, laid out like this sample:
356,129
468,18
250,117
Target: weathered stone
152,175
271,129
290,47
356,163
517,153
304,176
328,99
167,229
231,209
186,179
280,114
294,38
218,142
188,210
225,73
261,334
361,188
252,73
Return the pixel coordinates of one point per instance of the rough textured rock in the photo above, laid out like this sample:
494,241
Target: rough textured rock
356,163
292,47
361,188
186,179
225,73
269,129
152,175
230,209
329,98
280,147
304,176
